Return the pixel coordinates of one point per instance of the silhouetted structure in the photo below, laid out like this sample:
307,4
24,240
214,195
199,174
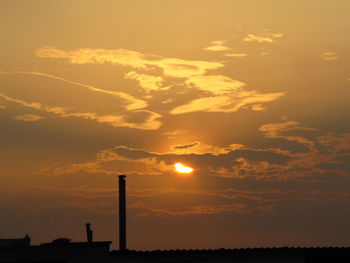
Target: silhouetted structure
122,213
248,255
15,242
89,233
60,250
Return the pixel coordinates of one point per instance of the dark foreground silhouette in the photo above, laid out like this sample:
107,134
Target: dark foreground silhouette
254,255
62,250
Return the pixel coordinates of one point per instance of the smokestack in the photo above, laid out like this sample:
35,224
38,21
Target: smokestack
122,213
89,233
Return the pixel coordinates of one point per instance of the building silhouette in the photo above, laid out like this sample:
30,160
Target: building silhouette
15,242
60,250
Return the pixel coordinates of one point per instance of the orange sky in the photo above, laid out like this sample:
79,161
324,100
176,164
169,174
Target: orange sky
254,95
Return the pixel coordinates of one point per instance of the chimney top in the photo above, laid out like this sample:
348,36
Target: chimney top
89,233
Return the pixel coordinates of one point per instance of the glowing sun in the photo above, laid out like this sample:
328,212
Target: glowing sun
179,167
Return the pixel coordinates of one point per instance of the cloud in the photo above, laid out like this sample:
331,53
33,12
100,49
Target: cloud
267,37
276,130
173,134
216,84
217,46
218,42
122,57
202,148
225,95
167,101
186,146
2,107
147,82
165,201
29,117
131,102
227,103
205,158
150,122
330,56
326,152
258,107
236,55
131,117
146,200
322,154
168,200
222,93
171,67
193,210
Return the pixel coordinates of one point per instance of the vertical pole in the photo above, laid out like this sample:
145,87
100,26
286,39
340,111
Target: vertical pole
89,233
122,213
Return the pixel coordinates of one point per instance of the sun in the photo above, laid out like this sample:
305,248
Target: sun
180,168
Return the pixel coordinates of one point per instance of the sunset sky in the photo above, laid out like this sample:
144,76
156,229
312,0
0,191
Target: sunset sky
253,95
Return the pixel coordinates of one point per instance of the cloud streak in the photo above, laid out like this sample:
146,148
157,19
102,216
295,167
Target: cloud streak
131,102
217,46
227,103
324,154
147,82
216,93
147,120
266,37
236,55
171,67
330,56
29,117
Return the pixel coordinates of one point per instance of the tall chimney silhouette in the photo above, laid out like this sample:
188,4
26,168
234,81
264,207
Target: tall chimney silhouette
122,213
89,233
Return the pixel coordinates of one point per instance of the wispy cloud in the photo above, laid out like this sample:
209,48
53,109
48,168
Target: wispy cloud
216,84
147,82
151,121
227,103
206,158
219,93
218,42
172,67
202,148
236,55
225,95
131,102
174,134
258,107
330,56
146,119
29,117
323,153
186,146
276,130
217,46
193,210
265,37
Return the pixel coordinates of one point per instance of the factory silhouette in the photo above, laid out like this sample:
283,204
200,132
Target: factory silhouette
63,250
